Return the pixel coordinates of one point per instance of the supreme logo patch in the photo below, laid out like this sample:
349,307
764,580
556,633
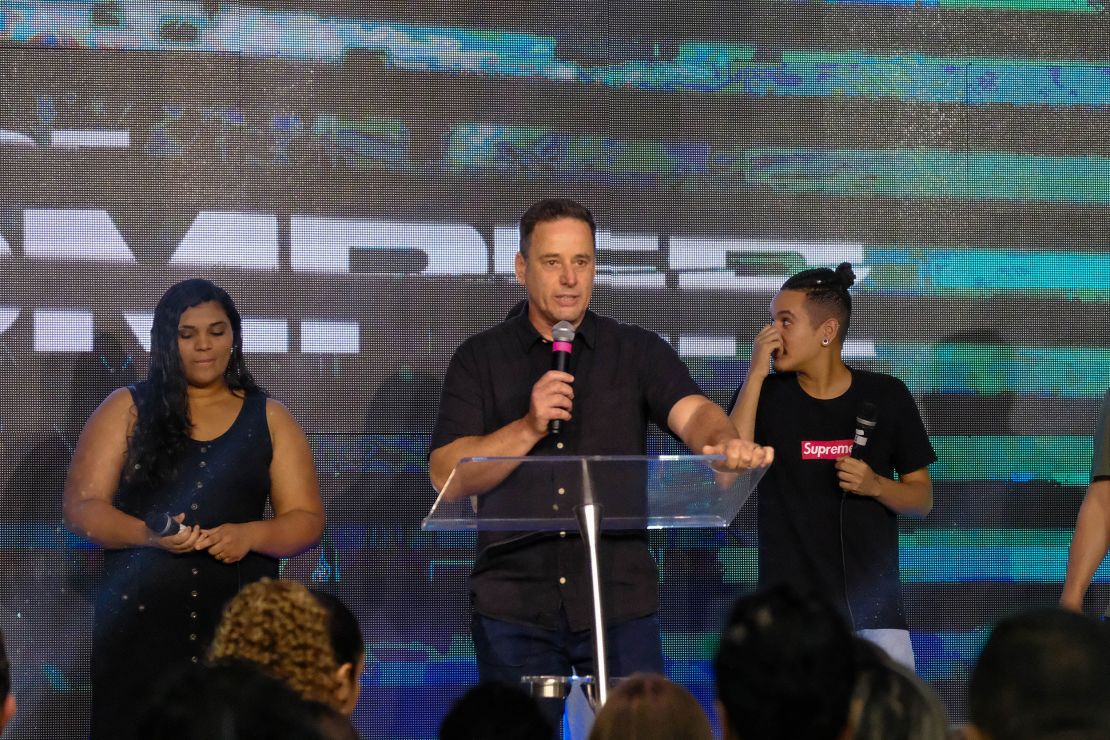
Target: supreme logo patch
830,449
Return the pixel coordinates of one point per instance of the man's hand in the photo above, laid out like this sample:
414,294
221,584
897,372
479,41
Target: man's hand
228,543
857,477
740,455
552,398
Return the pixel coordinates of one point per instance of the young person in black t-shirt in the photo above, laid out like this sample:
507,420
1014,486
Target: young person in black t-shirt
828,521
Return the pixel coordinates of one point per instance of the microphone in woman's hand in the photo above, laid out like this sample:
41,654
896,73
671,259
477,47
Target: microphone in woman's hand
162,524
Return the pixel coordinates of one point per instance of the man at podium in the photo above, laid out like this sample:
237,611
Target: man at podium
530,593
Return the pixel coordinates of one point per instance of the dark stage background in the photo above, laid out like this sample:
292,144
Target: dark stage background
352,173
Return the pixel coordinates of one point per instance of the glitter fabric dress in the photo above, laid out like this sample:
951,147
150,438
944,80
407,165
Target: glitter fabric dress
156,611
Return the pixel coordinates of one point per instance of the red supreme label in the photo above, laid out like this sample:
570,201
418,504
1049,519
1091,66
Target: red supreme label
826,449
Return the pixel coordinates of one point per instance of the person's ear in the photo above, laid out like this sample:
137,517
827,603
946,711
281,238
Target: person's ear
343,693
829,329
519,263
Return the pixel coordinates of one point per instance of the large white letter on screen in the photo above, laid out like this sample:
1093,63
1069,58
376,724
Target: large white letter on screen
326,244
222,239
80,235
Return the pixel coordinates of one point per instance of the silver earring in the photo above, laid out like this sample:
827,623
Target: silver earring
825,342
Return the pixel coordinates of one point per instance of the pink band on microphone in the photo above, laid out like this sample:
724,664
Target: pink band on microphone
561,347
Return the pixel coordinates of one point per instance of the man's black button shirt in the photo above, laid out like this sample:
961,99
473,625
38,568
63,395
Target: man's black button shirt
624,377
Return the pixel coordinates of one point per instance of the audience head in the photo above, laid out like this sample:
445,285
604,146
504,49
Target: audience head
281,627
493,711
891,703
7,709
231,700
785,668
1042,674
646,706
348,646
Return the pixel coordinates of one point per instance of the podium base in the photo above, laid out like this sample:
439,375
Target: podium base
580,696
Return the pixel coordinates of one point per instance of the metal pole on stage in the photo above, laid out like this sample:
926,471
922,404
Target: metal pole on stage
589,524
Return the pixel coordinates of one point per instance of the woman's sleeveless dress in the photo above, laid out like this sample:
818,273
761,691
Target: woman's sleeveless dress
157,612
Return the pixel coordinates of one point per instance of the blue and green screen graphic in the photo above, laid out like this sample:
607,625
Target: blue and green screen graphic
352,173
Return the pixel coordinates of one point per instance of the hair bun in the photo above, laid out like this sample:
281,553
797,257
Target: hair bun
845,274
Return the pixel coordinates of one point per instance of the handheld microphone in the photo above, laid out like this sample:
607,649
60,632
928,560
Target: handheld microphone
866,418
162,524
563,334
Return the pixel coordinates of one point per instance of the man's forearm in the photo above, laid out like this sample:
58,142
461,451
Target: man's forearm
708,426
515,439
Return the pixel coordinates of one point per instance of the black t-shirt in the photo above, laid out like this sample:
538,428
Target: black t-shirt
811,534
624,378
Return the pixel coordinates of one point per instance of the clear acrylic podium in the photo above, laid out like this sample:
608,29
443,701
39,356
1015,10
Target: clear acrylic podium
511,497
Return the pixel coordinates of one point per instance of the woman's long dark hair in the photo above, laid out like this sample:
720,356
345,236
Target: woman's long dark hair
162,429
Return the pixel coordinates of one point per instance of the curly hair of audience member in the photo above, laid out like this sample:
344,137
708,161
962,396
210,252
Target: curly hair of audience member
280,626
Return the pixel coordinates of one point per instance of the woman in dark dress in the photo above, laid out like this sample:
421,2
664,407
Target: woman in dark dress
200,442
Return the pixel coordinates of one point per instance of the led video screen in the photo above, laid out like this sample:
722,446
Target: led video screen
353,173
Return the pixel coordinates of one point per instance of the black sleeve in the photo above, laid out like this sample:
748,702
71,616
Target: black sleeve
664,377
460,404
912,448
